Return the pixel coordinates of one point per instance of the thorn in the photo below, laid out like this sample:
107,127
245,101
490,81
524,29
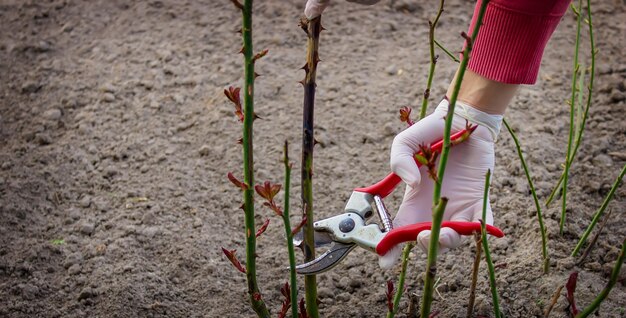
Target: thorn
322,28
301,82
243,48
240,31
256,75
240,141
304,24
305,67
237,4
315,142
243,206
250,90
255,116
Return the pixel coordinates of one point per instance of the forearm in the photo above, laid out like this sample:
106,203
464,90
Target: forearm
486,95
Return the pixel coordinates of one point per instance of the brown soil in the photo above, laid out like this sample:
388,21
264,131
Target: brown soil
116,140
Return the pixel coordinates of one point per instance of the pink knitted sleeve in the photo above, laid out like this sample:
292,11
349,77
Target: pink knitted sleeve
512,38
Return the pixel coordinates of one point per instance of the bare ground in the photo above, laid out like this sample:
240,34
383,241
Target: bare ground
115,140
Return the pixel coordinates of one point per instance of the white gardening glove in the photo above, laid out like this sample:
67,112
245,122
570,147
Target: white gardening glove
314,8
464,178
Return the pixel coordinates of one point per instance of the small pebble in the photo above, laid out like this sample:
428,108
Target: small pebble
53,114
87,228
43,139
74,269
87,292
108,97
204,150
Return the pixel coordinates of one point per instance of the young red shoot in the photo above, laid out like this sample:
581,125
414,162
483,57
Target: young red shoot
469,129
390,293
233,259
297,229
302,312
428,158
236,182
233,95
286,291
268,191
259,55
263,227
571,288
405,115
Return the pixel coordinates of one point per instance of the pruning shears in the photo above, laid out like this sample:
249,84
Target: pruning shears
346,231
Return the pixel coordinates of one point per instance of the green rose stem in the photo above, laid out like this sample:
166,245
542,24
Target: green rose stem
433,59
569,156
289,235
400,290
612,281
492,275
313,28
472,297
599,213
248,162
587,106
542,227
431,265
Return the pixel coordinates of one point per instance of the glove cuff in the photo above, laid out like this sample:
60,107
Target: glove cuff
490,121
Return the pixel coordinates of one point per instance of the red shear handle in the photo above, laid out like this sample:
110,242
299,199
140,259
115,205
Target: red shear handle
386,186
410,232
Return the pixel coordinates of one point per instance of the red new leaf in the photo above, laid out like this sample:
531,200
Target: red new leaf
236,182
233,95
256,296
302,312
233,259
390,296
286,302
571,288
405,115
267,191
263,227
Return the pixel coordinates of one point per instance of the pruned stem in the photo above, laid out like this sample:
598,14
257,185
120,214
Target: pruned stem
605,292
248,162
600,211
542,228
313,28
569,156
553,301
492,274
289,235
472,296
400,289
431,263
433,59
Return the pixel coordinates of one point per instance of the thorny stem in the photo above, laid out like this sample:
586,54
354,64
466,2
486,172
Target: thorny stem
431,264
605,292
599,213
542,228
400,289
571,118
587,106
313,28
433,59
492,274
472,297
248,163
289,235
594,239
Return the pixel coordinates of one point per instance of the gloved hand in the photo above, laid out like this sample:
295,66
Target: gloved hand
314,8
464,178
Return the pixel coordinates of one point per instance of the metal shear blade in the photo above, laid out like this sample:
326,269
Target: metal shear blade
326,261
